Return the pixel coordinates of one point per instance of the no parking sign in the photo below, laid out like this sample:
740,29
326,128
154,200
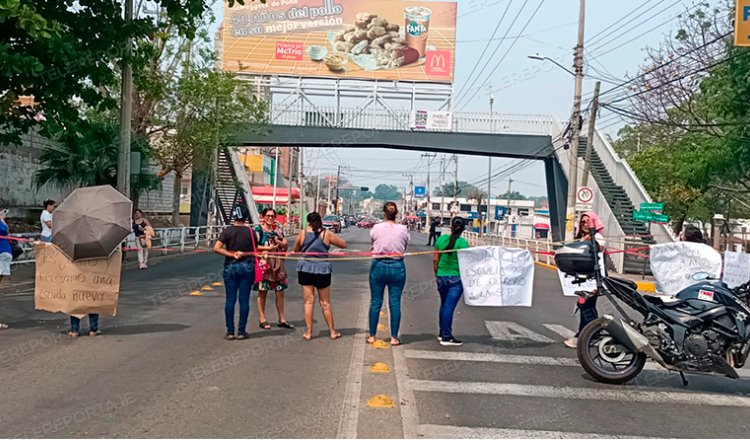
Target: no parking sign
584,199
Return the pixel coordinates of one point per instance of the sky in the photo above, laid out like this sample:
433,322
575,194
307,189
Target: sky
614,48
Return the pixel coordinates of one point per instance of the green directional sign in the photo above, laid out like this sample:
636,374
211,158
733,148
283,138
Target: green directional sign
652,207
645,216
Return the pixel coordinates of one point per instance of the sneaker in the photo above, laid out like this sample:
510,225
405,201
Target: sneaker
243,335
439,338
571,343
229,337
141,266
451,341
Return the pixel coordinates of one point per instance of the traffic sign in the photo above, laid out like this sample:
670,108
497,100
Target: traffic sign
645,216
420,191
500,212
584,195
742,23
652,207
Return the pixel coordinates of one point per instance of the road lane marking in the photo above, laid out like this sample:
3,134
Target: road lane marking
350,418
448,431
467,356
621,394
511,332
561,330
409,415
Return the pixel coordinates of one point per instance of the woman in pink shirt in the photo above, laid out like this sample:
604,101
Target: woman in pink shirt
389,241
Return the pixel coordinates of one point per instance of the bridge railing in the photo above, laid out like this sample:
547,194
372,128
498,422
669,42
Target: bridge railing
540,249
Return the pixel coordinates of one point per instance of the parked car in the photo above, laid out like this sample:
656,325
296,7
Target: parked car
367,223
332,222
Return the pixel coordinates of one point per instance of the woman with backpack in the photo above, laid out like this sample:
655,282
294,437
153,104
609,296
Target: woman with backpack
314,271
445,264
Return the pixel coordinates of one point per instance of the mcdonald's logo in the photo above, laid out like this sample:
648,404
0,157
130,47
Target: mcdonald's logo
438,63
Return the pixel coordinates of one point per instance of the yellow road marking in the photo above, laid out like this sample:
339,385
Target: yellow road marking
380,344
380,401
380,367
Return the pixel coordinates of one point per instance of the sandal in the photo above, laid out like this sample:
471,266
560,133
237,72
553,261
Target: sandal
370,340
95,333
398,342
73,334
336,335
243,335
265,325
307,336
285,324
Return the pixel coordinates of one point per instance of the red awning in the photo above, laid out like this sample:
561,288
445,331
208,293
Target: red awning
264,194
412,217
541,226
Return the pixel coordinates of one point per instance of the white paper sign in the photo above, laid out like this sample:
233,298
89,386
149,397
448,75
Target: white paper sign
432,120
674,264
736,268
496,276
570,289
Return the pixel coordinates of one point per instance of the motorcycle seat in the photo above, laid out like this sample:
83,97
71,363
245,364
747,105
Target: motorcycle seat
659,299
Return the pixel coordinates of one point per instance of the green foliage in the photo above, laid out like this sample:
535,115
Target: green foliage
386,192
87,154
513,195
447,189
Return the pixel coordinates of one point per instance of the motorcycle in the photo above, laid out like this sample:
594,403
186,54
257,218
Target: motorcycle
704,329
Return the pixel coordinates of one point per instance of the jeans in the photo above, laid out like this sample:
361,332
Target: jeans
451,290
390,273
588,313
238,280
46,238
433,238
75,323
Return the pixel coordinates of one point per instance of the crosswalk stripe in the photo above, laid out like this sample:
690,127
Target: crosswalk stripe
510,331
561,330
620,394
448,431
467,356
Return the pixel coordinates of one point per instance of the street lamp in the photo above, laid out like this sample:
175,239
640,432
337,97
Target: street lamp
275,152
541,58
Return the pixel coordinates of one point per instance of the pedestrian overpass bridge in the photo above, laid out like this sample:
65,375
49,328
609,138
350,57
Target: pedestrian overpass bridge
528,137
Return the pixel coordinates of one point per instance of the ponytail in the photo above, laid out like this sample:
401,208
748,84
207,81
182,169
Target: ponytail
316,223
457,228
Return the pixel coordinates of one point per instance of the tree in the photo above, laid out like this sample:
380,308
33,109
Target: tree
67,56
513,195
386,192
200,114
87,156
448,189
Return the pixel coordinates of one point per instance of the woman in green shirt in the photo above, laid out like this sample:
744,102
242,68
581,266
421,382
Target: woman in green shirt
449,278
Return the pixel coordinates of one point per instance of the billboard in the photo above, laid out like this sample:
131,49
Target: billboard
355,39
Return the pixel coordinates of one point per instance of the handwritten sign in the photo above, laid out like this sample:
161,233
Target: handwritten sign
496,276
76,288
736,268
674,264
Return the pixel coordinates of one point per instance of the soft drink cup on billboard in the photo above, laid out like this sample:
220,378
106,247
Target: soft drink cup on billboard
417,24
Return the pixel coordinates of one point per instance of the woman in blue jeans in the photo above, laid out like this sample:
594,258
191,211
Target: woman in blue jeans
237,244
389,241
448,276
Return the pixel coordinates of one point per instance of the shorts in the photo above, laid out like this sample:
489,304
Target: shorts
5,259
317,280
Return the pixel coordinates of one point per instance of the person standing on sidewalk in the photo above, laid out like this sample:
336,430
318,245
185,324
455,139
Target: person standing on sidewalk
46,220
143,234
75,325
274,277
237,243
587,306
6,254
314,271
389,242
445,265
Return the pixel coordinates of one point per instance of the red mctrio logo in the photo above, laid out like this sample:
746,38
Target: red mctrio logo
289,51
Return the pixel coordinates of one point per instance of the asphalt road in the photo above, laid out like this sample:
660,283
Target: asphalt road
161,368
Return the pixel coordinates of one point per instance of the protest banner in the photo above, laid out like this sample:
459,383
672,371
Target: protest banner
76,288
675,264
496,276
570,289
736,268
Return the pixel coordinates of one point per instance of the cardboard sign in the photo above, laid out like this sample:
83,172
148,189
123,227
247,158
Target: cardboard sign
736,268
496,276
675,264
91,286
570,289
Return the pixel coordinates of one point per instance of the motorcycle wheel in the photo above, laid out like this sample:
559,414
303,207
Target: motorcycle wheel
603,358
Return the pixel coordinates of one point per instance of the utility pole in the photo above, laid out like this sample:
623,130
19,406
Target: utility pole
126,111
489,197
302,195
442,188
328,199
430,157
573,167
590,136
492,113
507,209
411,192
289,151
317,197
455,181
338,182
275,176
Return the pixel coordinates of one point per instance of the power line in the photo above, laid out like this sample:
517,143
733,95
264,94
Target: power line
607,29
